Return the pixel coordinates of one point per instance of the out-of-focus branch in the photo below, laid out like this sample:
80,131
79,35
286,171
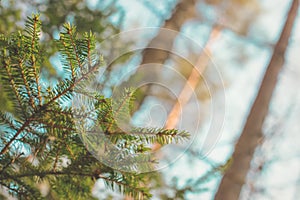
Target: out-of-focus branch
193,80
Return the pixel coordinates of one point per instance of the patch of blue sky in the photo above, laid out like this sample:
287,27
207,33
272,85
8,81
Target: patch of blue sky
206,13
270,21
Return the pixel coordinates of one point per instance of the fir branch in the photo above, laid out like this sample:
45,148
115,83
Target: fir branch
123,185
25,190
152,135
34,40
56,157
89,46
20,64
45,122
48,131
120,106
11,162
8,121
42,174
9,187
68,89
71,65
70,30
5,148
41,147
58,150
15,90
69,149
56,126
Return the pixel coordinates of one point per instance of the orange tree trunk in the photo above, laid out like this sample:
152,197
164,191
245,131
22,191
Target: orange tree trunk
235,177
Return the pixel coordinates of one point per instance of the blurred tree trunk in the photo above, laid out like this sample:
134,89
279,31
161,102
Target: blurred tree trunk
235,177
184,11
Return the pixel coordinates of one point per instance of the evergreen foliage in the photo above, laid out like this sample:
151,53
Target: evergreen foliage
39,141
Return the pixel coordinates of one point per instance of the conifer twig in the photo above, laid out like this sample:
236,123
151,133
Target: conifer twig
69,58
70,32
5,148
117,181
33,59
28,120
83,77
26,83
14,88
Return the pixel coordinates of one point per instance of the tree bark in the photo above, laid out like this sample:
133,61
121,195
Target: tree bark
235,177
184,11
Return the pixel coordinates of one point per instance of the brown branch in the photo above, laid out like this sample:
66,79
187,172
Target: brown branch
46,173
5,148
9,187
69,149
252,135
11,125
71,86
192,81
89,53
56,157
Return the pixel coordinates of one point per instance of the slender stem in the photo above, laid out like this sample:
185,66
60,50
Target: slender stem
69,58
33,60
5,148
70,32
192,80
14,88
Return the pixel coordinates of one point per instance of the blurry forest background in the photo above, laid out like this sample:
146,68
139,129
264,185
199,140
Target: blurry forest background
232,39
